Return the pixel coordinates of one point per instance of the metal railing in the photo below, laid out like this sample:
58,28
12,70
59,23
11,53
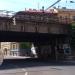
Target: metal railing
18,21
5,13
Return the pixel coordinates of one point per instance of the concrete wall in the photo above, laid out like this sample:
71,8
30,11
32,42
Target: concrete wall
32,27
67,15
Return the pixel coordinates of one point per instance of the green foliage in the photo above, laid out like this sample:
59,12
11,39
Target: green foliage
73,24
25,45
73,35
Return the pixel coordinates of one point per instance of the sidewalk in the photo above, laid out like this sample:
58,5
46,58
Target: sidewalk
15,57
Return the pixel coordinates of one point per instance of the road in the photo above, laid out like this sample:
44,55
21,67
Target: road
36,67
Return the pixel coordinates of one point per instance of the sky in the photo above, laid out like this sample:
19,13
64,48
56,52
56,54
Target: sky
19,5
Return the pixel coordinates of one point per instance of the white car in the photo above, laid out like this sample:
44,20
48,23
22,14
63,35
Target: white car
1,57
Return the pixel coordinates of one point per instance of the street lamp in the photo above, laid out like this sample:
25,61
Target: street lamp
72,2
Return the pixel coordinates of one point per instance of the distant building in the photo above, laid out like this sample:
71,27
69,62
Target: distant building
16,48
10,48
64,14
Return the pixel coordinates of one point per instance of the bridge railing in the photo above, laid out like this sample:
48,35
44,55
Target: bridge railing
65,20
36,18
52,19
45,25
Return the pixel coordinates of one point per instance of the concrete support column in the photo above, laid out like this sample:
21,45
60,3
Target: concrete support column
45,50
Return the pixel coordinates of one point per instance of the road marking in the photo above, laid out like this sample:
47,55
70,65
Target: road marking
55,68
26,73
24,69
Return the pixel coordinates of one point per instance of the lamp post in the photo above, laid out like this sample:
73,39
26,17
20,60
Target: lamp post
72,2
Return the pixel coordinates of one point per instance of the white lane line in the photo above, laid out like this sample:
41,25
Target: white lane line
24,69
26,73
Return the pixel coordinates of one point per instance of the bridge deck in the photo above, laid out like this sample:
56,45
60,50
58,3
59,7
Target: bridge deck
29,37
31,28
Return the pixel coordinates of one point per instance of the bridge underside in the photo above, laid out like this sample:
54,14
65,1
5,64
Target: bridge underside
12,36
46,44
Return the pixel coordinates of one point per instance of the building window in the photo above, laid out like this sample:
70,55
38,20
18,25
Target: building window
5,51
22,28
32,17
73,18
47,19
41,18
27,17
65,17
37,17
60,17
14,46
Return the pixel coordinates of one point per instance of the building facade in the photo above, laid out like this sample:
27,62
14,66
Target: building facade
10,48
65,15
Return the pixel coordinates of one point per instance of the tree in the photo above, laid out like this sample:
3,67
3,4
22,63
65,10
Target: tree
25,45
73,35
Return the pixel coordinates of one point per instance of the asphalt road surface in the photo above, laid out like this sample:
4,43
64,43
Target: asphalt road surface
36,67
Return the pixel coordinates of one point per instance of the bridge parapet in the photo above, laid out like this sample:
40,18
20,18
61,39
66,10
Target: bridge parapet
34,27
34,23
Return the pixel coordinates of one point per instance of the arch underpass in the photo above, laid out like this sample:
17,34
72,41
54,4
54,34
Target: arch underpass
45,43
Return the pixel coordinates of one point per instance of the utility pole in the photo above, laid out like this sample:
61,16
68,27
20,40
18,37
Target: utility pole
38,5
54,4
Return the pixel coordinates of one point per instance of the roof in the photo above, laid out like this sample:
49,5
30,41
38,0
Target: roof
61,10
66,10
36,12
